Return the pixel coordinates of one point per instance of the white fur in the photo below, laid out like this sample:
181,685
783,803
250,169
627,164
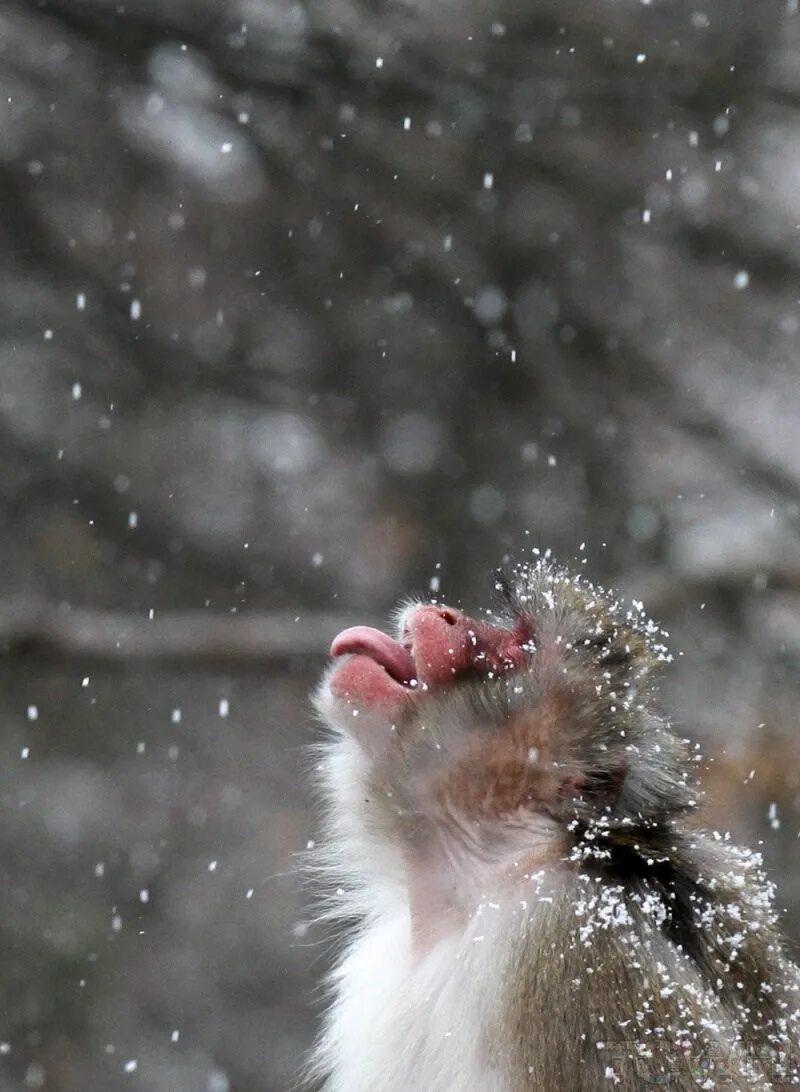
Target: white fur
390,1024
391,1027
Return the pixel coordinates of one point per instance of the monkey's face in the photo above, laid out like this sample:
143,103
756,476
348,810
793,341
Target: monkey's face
456,716
487,732
386,682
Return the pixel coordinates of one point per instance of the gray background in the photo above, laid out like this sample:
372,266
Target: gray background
305,304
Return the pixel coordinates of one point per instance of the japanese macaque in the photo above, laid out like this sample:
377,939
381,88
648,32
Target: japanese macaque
510,851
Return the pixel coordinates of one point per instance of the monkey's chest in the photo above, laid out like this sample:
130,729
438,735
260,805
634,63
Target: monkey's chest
404,1022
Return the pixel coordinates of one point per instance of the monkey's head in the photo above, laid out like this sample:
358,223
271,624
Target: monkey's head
516,734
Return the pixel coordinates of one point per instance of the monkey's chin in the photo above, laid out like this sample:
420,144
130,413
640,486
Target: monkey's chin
361,700
363,683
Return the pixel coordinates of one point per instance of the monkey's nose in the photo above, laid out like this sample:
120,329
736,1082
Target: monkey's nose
444,642
433,614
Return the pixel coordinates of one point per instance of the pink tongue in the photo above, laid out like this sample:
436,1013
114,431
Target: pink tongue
366,641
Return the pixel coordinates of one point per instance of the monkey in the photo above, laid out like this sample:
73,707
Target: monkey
511,849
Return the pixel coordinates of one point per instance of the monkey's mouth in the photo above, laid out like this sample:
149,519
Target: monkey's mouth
437,647
395,659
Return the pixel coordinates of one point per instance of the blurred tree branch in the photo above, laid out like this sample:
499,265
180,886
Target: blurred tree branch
265,637
275,636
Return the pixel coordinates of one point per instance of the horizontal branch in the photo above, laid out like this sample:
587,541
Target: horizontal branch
272,637
253,637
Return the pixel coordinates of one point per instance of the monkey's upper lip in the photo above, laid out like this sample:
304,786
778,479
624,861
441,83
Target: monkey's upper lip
380,647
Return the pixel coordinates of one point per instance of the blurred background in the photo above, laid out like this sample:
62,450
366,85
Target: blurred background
305,306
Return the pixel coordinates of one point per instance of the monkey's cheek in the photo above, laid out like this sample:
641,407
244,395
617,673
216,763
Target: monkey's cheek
373,701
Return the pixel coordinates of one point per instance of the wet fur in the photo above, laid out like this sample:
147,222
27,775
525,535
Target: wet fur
590,938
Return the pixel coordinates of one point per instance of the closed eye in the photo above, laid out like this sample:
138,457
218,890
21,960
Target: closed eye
613,654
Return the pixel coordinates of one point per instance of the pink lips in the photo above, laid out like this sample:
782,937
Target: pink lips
390,654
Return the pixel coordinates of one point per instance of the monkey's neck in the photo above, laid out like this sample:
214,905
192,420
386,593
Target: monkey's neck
451,870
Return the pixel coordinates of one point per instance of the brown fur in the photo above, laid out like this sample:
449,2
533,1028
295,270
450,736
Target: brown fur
514,768
541,807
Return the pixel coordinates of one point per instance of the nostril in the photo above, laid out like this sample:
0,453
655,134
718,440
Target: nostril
448,616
